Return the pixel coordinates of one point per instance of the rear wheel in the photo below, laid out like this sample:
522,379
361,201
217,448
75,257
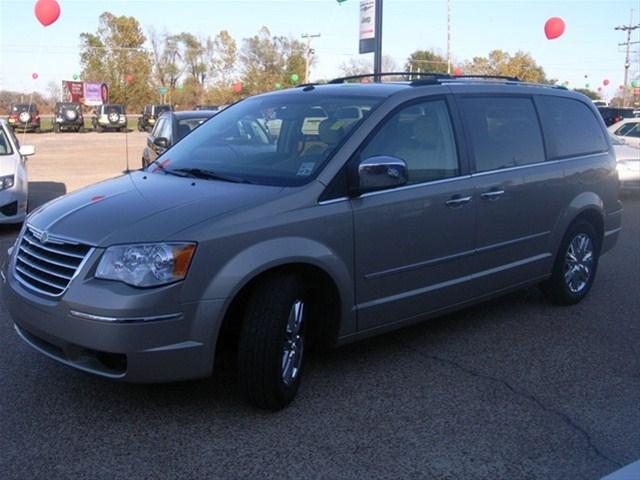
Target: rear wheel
272,342
575,267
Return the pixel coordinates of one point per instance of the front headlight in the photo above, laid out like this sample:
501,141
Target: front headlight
7,181
146,265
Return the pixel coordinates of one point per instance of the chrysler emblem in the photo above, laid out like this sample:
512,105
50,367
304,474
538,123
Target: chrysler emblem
44,237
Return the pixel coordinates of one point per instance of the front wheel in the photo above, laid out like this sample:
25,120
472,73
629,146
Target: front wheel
575,267
272,342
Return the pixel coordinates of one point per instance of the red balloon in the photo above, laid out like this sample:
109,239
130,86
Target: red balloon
237,87
34,75
605,82
129,78
554,27
47,11
457,72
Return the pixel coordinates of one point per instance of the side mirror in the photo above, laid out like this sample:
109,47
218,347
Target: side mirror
381,172
161,142
27,150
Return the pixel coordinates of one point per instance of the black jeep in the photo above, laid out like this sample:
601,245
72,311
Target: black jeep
67,116
24,116
150,115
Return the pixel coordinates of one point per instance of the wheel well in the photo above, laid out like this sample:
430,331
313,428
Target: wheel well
325,299
594,218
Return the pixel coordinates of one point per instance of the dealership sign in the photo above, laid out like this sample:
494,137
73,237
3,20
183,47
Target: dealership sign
92,94
367,26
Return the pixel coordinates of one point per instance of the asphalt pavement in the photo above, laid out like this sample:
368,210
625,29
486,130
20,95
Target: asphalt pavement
511,389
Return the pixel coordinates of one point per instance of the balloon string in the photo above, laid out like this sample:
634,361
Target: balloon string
37,62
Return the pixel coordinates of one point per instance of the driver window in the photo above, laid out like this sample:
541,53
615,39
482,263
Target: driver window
421,135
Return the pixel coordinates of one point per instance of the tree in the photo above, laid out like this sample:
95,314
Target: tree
266,60
362,66
167,58
115,55
194,56
221,59
426,61
499,62
589,93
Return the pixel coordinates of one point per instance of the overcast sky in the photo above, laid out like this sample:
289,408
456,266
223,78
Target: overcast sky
588,47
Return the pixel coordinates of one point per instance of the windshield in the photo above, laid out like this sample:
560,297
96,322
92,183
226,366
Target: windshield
23,107
272,140
68,106
107,109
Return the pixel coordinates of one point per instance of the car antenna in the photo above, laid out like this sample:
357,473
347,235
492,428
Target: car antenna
127,171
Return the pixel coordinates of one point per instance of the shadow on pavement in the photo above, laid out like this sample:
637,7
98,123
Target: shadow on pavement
42,192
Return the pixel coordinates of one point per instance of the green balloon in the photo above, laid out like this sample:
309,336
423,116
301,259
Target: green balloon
586,85
294,77
634,83
278,86
76,76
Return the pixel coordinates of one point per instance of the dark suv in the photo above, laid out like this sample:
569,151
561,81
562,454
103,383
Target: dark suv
612,115
150,116
68,116
409,200
24,116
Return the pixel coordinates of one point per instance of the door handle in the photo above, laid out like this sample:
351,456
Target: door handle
492,194
457,201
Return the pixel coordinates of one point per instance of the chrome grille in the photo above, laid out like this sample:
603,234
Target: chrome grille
47,264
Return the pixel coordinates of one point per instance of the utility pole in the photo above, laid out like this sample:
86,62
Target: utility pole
308,53
449,37
627,61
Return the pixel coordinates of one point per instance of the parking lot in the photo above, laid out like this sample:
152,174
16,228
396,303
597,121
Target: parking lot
513,388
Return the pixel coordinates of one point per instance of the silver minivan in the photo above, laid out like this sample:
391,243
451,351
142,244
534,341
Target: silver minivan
409,200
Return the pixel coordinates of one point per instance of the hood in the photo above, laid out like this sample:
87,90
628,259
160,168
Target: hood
627,153
144,207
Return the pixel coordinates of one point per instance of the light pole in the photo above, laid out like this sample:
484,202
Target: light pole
308,53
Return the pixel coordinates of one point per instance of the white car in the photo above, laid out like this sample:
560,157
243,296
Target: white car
14,184
628,129
628,159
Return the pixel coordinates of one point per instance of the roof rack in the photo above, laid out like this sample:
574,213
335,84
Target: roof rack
433,75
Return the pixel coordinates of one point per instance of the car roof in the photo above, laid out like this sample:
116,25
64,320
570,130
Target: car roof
187,114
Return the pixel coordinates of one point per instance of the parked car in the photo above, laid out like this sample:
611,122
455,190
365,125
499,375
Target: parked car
68,116
24,116
612,115
628,129
600,103
448,191
628,159
171,127
14,184
150,115
109,117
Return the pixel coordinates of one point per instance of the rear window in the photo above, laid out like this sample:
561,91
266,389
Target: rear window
570,127
504,132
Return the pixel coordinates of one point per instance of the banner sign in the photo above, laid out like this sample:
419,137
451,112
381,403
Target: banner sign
96,94
367,26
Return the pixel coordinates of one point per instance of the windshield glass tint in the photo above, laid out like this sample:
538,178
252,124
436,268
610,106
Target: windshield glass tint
272,140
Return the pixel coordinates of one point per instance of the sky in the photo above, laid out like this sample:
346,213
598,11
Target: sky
588,47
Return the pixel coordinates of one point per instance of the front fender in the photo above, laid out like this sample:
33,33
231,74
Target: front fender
264,256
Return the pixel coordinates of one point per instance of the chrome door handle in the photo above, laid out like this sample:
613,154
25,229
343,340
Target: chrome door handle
492,194
457,201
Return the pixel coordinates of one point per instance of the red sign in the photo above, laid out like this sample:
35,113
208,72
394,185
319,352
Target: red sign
73,91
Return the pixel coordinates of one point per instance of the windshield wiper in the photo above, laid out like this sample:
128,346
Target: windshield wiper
209,175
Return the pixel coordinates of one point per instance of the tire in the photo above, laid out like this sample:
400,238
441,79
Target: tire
56,128
273,328
581,242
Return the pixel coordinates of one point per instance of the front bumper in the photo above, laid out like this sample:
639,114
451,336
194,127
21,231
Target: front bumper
13,205
177,342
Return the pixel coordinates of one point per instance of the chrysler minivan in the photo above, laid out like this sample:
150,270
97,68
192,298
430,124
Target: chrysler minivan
410,199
